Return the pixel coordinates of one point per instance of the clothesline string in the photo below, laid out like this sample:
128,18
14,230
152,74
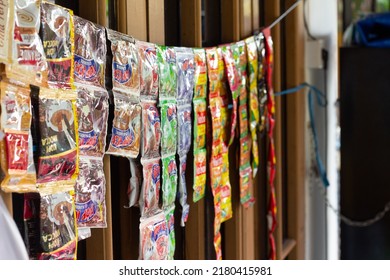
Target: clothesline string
282,16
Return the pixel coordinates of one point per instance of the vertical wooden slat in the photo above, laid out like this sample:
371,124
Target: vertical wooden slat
137,25
88,9
230,17
102,13
191,23
121,9
255,15
156,29
272,11
296,130
245,18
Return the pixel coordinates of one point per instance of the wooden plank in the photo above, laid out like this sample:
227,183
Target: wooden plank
191,23
245,18
255,15
191,36
156,26
99,245
102,13
296,130
121,15
230,18
137,25
88,9
272,11
248,233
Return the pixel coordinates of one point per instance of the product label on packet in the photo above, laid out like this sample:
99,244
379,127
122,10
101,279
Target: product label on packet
57,224
85,69
200,174
185,74
126,128
90,52
168,128
88,140
121,72
151,130
199,124
58,145
149,70
253,100
150,193
154,237
85,211
169,182
90,191
17,151
92,113
57,37
27,53
185,128
125,65
226,193
170,218
200,90
166,58
183,189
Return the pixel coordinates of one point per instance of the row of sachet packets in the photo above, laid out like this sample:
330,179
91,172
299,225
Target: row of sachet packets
91,108
121,76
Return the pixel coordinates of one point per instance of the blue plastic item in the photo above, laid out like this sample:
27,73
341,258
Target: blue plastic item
373,31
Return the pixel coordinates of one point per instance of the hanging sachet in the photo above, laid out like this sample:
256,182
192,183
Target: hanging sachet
199,131
16,147
90,192
154,237
254,116
58,44
58,149
28,58
90,53
58,226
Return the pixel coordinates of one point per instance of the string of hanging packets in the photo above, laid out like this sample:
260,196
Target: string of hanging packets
62,121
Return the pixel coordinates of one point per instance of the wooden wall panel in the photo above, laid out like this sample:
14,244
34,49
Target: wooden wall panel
102,11
121,10
245,18
156,29
88,9
255,15
296,130
230,18
191,23
137,15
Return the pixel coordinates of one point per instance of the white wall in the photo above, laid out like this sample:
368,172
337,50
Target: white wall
322,225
